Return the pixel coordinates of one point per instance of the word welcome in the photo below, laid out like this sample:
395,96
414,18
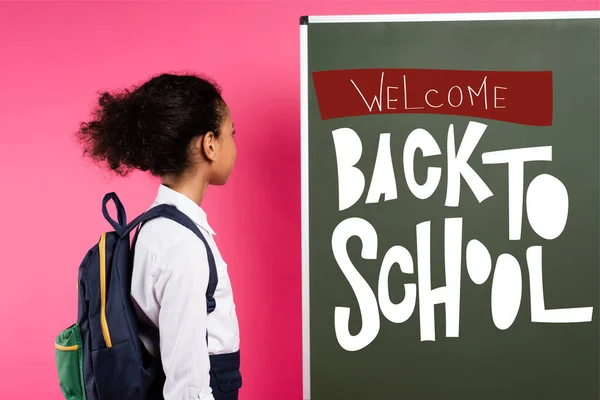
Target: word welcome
454,97
498,95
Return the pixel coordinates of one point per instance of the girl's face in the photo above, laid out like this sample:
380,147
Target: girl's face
225,152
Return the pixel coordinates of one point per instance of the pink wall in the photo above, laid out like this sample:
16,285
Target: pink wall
54,57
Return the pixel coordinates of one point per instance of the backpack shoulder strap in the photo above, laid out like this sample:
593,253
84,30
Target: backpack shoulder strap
166,211
171,212
119,225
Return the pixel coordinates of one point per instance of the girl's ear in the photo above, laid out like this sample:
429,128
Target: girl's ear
207,146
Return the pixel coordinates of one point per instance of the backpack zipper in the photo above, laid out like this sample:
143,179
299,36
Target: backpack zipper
66,348
103,323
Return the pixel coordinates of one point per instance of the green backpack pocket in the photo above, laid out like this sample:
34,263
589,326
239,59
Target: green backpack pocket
69,363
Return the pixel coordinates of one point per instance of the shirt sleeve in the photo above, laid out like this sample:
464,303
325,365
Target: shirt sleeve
181,292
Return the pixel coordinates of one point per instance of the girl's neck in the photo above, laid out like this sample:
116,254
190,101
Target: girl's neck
192,187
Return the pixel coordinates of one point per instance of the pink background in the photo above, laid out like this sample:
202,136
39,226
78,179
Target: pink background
55,57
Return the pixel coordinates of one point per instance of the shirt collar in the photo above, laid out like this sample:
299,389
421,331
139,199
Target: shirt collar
185,205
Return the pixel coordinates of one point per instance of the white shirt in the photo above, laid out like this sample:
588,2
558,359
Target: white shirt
169,282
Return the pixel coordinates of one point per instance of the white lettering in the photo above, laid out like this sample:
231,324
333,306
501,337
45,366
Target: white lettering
427,99
496,98
376,100
389,99
384,179
367,303
450,96
538,308
507,287
458,166
421,139
406,107
482,88
516,159
351,181
449,294
402,311
547,206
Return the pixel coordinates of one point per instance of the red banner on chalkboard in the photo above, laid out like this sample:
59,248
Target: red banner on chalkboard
522,97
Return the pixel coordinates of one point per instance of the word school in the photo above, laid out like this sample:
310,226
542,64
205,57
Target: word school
547,207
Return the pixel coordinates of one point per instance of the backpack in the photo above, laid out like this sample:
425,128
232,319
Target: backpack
100,357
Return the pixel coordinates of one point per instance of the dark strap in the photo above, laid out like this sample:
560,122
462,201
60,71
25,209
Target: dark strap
171,212
167,211
121,216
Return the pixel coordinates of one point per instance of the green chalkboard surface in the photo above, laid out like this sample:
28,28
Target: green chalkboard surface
451,214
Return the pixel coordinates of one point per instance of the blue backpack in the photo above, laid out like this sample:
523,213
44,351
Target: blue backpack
101,357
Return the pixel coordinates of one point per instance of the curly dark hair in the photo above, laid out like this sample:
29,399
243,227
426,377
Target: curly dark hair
150,127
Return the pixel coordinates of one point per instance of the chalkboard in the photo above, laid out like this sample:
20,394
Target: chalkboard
450,206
